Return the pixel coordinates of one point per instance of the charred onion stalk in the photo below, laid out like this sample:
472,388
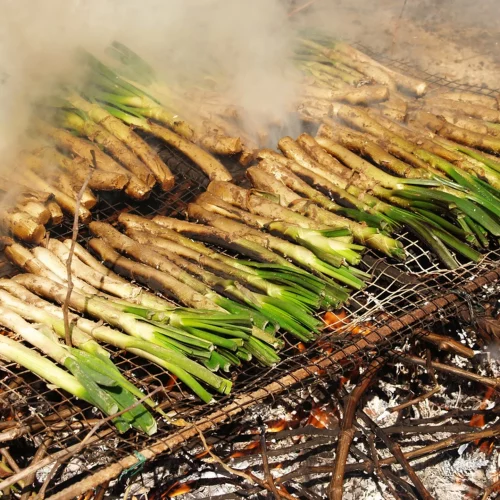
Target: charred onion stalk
328,173
331,53
315,166
324,221
117,128
300,255
331,244
126,102
81,148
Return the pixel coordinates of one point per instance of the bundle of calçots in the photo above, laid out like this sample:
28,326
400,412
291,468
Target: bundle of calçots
91,125
451,210
427,163
232,307
300,231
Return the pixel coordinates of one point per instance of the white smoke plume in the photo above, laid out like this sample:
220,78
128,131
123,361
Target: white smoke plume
247,41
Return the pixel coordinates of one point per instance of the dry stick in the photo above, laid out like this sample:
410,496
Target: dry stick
41,494
16,431
40,452
265,463
491,489
101,491
444,343
376,463
437,388
419,399
414,360
65,307
301,7
63,455
51,459
5,453
347,430
95,428
398,454
396,27
245,475
367,466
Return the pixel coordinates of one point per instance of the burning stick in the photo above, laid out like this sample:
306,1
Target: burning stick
245,475
397,453
378,469
347,430
265,462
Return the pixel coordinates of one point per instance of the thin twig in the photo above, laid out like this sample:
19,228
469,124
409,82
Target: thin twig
101,491
491,489
265,463
74,236
398,454
92,431
39,454
41,494
414,360
347,430
437,388
73,450
10,460
380,473
445,343
301,7
367,466
245,475
416,400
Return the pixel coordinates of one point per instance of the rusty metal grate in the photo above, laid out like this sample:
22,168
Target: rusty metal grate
400,297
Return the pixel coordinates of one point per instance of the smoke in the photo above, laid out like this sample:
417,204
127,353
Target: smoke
244,42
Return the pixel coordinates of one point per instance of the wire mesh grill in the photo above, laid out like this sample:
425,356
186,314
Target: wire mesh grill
400,296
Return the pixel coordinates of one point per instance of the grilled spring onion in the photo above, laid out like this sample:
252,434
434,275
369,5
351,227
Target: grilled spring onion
156,338
95,380
278,310
298,280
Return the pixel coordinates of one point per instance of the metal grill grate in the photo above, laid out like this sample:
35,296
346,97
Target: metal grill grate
401,296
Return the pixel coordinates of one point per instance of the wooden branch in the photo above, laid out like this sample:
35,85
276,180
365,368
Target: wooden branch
422,397
39,454
398,454
347,430
63,455
74,236
367,466
378,470
265,463
445,343
414,360
248,476
492,488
